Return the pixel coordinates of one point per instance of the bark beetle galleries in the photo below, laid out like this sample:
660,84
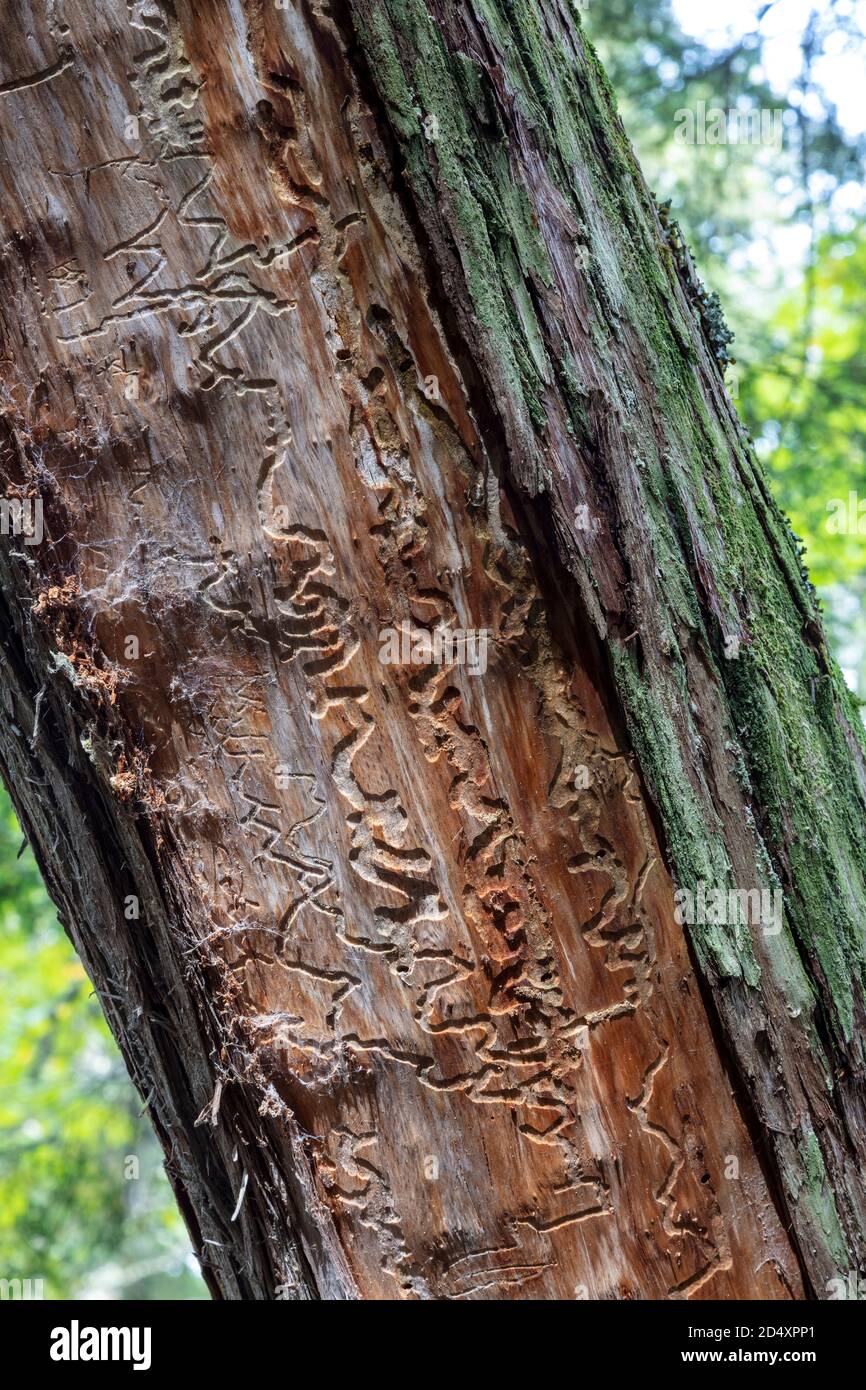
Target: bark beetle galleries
405,992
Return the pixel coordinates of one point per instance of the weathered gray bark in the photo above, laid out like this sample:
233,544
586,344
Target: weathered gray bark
325,319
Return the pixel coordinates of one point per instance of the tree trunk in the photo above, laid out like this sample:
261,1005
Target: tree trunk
329,328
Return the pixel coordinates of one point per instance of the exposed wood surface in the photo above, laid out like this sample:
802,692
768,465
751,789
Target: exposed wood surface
407,999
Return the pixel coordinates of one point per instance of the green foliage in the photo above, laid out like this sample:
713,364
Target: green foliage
70,1119
810,402
798,319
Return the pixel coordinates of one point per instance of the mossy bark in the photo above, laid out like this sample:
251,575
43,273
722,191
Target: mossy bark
603,367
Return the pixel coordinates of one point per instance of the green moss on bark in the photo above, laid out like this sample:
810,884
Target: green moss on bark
813,1190
433,96
707,515
531,161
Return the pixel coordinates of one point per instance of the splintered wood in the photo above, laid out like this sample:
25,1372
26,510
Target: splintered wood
426,897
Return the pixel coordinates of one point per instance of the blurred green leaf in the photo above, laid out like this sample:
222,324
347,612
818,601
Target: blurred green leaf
69,1118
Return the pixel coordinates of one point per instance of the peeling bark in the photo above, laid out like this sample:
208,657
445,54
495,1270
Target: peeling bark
299,347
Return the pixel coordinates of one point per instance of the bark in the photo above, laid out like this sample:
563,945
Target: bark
325,319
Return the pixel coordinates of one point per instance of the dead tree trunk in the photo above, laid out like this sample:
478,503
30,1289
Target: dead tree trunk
329,328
